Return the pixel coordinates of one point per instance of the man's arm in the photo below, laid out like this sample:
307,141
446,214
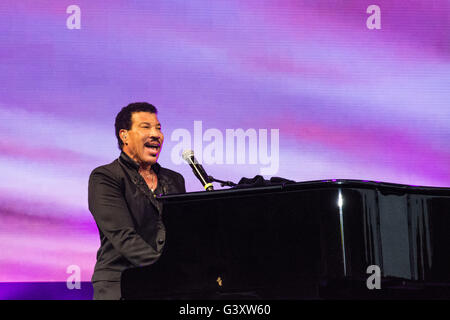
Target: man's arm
182,184
110,211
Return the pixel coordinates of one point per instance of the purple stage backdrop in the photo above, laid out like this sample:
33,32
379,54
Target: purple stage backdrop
305,90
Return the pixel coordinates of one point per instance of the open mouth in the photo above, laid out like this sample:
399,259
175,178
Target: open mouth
154,146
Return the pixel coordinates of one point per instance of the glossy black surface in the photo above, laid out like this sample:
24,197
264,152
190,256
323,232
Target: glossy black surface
294,240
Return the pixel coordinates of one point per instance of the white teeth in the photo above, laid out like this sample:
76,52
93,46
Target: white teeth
151,145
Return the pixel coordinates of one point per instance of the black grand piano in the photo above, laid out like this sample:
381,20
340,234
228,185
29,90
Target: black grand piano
307,240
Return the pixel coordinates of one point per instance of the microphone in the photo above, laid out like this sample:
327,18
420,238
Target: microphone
199,172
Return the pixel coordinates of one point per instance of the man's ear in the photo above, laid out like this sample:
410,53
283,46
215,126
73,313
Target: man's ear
123,134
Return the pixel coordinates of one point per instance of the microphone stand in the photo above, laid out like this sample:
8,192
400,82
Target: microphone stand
222,183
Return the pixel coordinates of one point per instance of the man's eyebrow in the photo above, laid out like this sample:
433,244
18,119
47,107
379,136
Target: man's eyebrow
149,124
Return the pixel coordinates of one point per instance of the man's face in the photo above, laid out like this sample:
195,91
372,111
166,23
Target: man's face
144,139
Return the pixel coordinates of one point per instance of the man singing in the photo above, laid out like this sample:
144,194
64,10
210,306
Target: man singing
122,199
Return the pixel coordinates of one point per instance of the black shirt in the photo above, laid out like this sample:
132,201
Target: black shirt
128,215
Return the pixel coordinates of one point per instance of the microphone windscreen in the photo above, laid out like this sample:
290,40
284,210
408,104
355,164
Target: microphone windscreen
187,154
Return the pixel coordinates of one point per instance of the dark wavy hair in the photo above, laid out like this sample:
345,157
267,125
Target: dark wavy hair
123,118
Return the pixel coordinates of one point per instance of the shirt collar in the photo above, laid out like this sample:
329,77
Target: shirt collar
134,165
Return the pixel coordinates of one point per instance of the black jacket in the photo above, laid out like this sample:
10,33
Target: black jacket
128,215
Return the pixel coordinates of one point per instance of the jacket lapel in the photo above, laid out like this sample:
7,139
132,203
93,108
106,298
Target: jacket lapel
140,183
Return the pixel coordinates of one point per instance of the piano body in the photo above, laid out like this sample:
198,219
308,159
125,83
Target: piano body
307,240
